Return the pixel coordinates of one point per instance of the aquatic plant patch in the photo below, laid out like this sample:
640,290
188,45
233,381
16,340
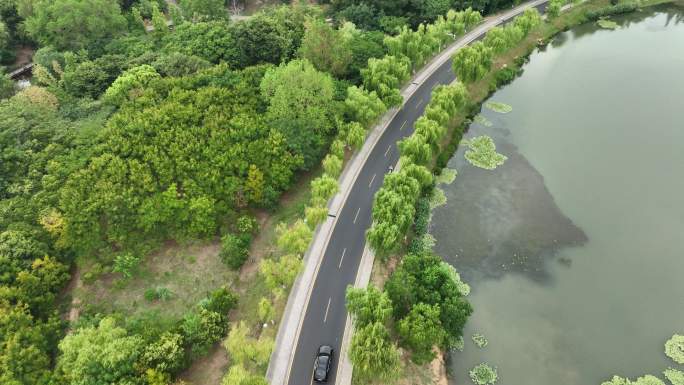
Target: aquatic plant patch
447,176
479,340
483,374
607,24
674,348
482,153
479,119
501,108
676,377
438,198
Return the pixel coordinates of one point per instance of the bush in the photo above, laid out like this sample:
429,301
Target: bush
234,250
506,75
612,10
221,301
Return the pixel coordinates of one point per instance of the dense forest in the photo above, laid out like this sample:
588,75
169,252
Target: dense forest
147,121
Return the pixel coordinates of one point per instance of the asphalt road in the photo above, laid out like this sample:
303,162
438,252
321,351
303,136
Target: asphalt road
326,314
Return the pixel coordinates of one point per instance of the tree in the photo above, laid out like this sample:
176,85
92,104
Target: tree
417,149
299,106
368,305
75,24
554,8
471,63
261,39
211,40
6,86
244,349
159,23
315,215
295,239
529,19
234,250
265,310
100,355
363,106
356,135
238,375
91,78
165,354
200,329
177,64
385,76
420,331
372,354
203,10
326,48
281,273
323,188
332,165
130,83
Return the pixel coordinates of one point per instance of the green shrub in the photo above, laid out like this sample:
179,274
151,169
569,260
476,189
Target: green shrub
234,250
506,75
221,301
150,294
612,10
420,225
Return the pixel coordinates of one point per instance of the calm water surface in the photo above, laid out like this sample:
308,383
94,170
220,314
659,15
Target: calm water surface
575,247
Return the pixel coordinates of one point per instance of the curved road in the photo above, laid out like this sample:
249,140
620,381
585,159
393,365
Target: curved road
325,317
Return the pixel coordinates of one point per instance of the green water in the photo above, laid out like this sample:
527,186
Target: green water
574,248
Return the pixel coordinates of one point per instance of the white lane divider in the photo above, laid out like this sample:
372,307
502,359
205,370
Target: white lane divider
325,318
344,251
402,125
357,215
388,149
372,179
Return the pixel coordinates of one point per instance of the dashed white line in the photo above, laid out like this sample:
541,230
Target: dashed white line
372,179
388,149
325,318
344,251
402,126
357,214
419,103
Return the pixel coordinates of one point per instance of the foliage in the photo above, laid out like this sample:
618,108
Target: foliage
438,198
295,239
326,48
234,250
238,375
209,40
372,353
363,106
554,8
126,264
425,279
420,330
165,354
529,19
130,84
202,10
479,340
674,348
385,76
619,9
299,104
201,329
332,165
676,377
368,305
356,135
280,273
483,374
482,153
265,310
177,64
447,176
244,349
74,24
645,380
100,355
472,62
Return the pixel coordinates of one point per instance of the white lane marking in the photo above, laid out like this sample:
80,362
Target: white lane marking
402,126
344,251
372,179
419,103
325,318
388,149
357,214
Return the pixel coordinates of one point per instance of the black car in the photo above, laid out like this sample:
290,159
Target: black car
323,363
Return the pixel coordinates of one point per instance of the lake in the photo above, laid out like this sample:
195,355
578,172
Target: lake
574,248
